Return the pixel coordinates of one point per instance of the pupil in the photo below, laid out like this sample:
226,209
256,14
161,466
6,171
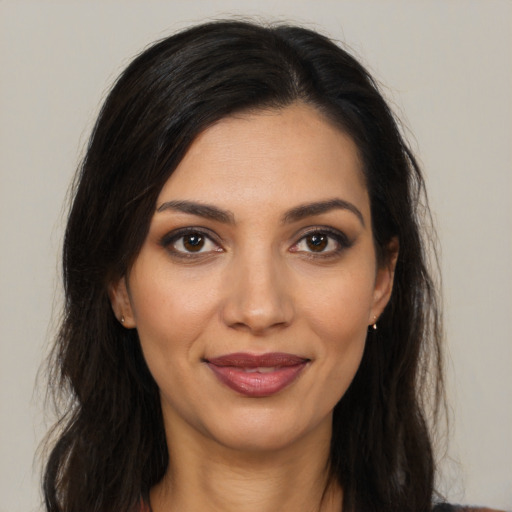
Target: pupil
193,243
317,243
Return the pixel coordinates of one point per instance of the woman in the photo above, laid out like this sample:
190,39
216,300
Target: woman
250,322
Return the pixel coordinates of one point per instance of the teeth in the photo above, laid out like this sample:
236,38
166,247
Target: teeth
261,369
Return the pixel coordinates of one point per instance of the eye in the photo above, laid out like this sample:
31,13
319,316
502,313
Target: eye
189,242
325,242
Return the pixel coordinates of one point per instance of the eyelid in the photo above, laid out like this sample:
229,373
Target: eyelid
170,238
338,236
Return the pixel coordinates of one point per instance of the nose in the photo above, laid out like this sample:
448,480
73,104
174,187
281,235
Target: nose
259,299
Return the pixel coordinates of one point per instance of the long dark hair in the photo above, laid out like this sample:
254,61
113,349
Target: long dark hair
111,446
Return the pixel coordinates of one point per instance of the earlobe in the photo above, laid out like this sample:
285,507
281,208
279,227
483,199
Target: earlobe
121,305
384,281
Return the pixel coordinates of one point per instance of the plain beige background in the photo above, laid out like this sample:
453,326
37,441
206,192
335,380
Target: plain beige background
447,69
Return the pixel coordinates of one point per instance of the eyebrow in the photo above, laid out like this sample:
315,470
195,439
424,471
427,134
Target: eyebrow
199,209
295,214
317,208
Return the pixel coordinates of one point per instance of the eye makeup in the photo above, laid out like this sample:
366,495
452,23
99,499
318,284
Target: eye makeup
321,242
191,243
194,243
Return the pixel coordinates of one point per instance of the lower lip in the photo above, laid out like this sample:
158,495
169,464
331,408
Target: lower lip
256,384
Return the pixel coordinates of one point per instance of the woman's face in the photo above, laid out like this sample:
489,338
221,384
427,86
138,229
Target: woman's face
254,289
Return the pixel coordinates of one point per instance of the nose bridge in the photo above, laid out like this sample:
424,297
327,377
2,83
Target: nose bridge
259,297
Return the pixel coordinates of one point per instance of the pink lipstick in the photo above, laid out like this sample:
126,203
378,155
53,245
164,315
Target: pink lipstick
257,375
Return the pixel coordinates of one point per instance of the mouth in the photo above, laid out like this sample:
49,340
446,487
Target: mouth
257,375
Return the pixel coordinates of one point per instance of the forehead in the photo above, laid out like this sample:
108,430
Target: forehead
288,156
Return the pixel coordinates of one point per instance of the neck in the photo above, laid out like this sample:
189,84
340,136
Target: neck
212,478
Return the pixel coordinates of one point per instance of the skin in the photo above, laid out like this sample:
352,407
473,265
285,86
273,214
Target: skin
256,285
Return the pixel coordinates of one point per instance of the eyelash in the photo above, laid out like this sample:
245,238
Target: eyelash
172,238
340,239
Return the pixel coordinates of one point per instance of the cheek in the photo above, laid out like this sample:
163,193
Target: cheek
165,297
339,319
339,307
171,312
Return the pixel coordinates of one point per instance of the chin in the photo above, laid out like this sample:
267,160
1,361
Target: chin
269,432
258,442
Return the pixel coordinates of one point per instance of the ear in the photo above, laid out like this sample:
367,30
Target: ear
121,305
384,281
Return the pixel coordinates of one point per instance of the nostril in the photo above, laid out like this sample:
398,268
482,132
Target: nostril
257,298
257,321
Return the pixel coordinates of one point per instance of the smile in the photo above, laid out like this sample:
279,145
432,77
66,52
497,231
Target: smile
257,375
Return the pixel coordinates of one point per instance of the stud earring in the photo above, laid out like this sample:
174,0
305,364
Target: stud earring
122,319
374,326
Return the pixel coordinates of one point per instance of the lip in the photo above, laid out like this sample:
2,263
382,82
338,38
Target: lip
257,375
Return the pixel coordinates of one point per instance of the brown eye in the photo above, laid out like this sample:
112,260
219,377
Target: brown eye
193,242
190,243
317,242
322,243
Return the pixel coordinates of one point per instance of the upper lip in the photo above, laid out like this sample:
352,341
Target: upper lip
245,360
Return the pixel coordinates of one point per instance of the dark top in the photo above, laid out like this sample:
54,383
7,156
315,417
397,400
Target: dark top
440,507
446,507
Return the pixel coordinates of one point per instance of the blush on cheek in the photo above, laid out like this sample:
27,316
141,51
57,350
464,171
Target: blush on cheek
339,317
